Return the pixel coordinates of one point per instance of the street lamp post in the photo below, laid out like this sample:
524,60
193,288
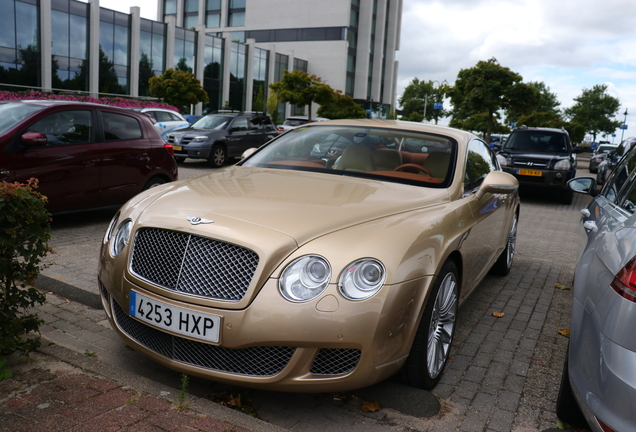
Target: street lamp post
624,126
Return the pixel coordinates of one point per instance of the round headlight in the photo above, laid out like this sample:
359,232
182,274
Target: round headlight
111,228
502,160
121,237
362,279
563,164
305,278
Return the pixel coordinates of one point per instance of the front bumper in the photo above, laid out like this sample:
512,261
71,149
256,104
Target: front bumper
193,150
551,179
328,344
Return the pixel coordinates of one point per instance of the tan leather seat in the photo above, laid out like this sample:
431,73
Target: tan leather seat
356,158
387,159
437,163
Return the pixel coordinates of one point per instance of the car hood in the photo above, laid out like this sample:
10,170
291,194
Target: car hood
301,205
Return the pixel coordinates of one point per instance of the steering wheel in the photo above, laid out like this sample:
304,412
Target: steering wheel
409,167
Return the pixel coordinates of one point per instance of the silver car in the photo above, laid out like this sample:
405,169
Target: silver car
599,379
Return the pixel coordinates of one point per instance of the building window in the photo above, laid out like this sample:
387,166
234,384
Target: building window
114,48
170,7
19,44
236,13
70,58
213,72
259,95
152,53
185,50
237,75
213,14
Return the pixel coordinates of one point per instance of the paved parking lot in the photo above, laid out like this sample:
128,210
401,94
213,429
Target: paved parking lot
504,372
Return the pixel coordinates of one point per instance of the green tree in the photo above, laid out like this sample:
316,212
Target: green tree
341,107
486,89
178,88
595,110
272,106
540,101
300,88
420,93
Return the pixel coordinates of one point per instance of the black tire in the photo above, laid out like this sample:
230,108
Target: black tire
504,262
567,196
218,156
567,408
441,312
154,181
179,160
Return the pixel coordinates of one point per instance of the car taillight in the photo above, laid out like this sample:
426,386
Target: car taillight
169,149
605,427
624,282
280,129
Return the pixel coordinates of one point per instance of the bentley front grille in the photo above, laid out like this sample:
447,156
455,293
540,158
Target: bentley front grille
335,361
253,361
192,264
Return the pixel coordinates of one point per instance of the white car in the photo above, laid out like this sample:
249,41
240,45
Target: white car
295,121
166,120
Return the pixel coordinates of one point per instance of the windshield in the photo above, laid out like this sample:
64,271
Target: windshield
538,142
12,113
386,154
212,122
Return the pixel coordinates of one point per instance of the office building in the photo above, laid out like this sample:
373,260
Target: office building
235,47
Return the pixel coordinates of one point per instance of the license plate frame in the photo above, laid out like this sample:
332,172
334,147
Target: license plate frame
184,322
532,173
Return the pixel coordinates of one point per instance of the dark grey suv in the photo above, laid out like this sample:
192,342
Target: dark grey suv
222,135
540,158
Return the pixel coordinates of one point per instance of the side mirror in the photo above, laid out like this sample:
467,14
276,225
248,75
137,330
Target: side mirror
583,185
498,182
34,139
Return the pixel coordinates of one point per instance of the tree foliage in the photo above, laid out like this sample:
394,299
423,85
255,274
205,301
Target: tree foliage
178,88
485,89
24,236
420,93
300,88
342,107
595,109
272,106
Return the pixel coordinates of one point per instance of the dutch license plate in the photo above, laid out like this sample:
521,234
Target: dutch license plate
534,173
177,148
181,321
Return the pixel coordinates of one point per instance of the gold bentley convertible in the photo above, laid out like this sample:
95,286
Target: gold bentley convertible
329,259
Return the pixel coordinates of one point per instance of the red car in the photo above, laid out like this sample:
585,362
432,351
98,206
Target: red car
85,155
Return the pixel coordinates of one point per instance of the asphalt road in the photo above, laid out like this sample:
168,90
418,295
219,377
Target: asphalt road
503,374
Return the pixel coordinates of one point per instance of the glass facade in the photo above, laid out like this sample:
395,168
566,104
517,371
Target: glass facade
114,49
238,67
185,49
213,72
152,53
259,95
69,24
190,14
352,38
301,65
19,43
281,64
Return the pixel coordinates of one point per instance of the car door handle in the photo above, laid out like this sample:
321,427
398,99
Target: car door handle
4,172
590,226
585,212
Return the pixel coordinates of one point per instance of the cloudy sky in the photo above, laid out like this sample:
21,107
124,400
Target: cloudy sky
570,45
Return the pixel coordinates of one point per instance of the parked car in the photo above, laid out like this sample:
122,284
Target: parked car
541,158
295,121
293,272
222,135
85,155
599,155
166,120
605,168
598,385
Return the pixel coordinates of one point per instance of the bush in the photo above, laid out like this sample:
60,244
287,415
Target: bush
24,235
